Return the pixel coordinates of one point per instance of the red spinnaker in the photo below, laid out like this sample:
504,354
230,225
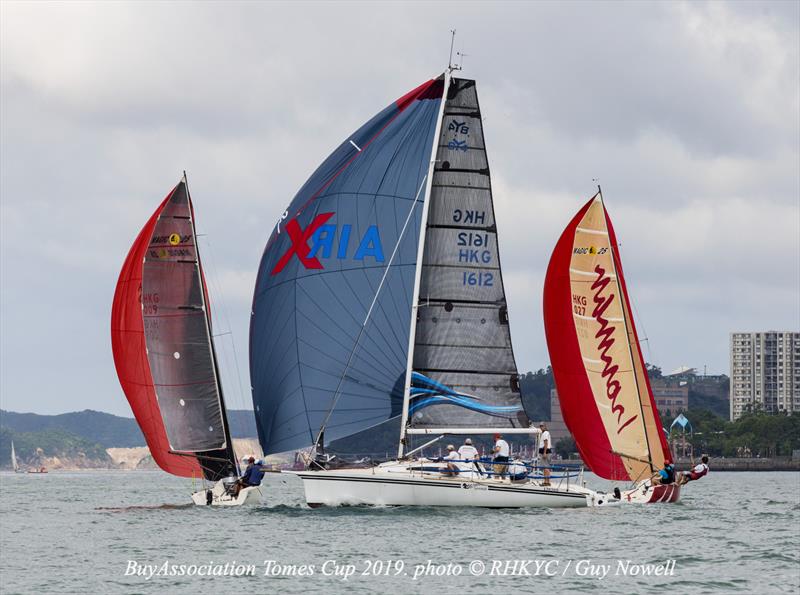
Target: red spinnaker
130,355
594,350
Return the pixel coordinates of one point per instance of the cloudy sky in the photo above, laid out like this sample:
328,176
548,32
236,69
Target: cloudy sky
688,113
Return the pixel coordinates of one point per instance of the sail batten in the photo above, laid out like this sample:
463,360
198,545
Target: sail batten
602,383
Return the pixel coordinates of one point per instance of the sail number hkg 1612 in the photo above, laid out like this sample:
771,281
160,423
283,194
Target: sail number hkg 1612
472,242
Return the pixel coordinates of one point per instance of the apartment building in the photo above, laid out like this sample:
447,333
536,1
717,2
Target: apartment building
765,372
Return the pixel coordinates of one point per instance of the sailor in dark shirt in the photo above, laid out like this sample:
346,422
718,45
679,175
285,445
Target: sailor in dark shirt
664,476
252,476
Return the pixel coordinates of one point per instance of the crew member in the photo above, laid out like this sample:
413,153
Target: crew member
252,476
545,448
451,457
664,476
698,471
466,451
501,452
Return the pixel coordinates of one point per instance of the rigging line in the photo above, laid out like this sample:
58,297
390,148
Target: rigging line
382,336
638,317
336,393
239,398
375,363
419,123
352,316
392,329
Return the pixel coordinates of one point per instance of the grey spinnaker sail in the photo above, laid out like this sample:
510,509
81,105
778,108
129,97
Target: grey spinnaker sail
177,333
464,373
332,310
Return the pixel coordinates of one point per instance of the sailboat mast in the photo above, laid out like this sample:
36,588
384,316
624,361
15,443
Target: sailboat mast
623,300
412,335
225,426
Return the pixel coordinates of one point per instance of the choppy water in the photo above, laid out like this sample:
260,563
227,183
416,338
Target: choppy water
78,532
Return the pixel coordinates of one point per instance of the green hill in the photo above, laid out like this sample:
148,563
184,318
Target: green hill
105,429
32,447
94,426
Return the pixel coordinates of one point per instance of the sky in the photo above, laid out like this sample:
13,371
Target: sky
688,114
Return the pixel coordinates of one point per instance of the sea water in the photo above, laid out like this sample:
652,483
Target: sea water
133,532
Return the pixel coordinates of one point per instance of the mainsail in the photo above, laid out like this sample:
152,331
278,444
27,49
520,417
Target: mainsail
464,373
163,350
600,374
332,304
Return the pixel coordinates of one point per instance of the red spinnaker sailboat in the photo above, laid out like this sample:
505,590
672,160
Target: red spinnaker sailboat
599,371
163,348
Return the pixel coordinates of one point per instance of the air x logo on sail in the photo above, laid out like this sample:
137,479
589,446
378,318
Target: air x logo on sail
299,238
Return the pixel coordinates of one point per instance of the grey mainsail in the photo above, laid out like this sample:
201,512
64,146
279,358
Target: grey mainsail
464,373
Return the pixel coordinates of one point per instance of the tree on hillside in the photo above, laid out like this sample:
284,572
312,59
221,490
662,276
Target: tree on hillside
535,388
566,447
759,434
653,371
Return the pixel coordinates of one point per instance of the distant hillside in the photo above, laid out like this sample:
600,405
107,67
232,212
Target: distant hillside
96,427
711,394
34,449
104,429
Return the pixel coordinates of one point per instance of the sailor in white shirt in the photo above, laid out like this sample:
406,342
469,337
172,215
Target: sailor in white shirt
698,471
501,452
466,451
450,458
545,448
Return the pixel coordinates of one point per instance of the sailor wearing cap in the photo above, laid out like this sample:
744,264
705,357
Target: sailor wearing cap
466,451
450,458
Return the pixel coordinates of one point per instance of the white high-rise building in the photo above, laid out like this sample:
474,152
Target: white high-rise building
765,372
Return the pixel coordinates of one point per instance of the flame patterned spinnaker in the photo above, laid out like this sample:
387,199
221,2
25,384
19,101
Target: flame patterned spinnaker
594,350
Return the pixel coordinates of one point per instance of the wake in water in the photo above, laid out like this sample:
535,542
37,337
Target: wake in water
153,507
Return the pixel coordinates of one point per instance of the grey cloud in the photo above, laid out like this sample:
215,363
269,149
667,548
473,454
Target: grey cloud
687,112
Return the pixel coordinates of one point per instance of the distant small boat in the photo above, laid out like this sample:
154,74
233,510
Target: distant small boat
14,462
38,470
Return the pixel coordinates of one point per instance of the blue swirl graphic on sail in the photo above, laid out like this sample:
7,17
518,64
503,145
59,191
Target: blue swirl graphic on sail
426,392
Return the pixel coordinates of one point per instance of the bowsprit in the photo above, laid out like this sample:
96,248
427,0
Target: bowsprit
325,240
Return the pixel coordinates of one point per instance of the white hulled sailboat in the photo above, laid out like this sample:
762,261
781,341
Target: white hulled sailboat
380,297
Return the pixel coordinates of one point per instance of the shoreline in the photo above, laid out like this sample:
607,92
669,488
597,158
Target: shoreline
716,466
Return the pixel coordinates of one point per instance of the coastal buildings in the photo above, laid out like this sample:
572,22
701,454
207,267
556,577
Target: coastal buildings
670,396
765,372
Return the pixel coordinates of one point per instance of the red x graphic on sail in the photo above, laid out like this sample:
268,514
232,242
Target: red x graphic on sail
299,238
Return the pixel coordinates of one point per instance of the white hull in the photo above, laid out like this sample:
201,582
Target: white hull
247,496
397,484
